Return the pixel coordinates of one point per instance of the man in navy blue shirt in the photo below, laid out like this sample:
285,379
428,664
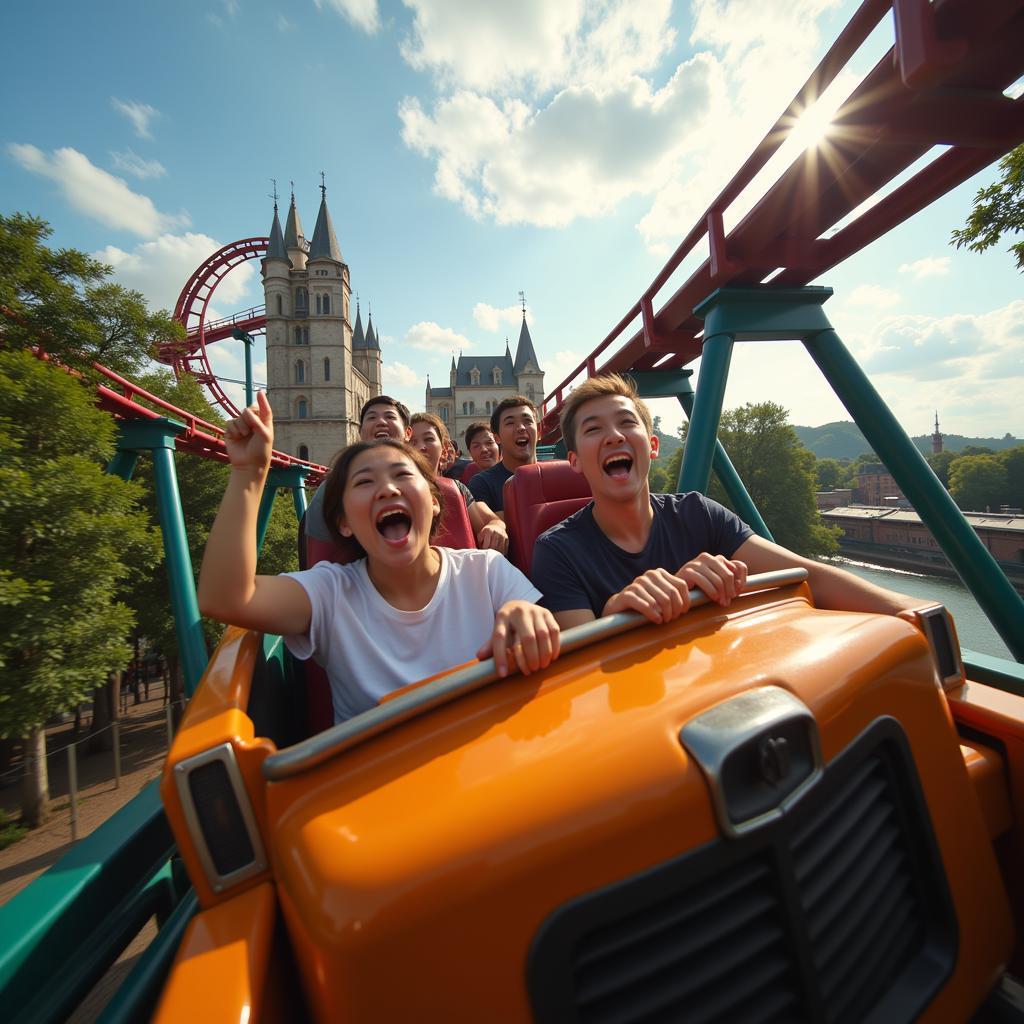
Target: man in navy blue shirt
514,424
630,550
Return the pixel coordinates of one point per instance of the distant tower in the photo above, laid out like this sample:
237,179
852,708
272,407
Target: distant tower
528,374
936,437
366,353
315,382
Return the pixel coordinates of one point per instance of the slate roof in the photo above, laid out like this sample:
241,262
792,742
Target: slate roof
372,341
485,364
276,248
294,237
325,242
440,392
524,350
358,337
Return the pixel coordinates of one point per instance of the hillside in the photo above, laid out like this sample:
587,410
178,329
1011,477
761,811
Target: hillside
843,440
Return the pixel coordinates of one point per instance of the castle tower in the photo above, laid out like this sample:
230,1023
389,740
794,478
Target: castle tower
528,374
366,353
936,437
313,383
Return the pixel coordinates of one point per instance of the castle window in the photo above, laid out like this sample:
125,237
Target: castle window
327,369
465,408
474,376
300,372
472,408
488,406
302,409
530,393
303,453
280,305
318,303
497,375
327,305
301,301
444,413
298,335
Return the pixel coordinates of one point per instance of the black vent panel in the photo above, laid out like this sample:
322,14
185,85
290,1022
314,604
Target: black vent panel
220,818
839,911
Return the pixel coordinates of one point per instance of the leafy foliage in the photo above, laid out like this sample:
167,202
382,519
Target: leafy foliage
998,210
978,482
61,299
72,539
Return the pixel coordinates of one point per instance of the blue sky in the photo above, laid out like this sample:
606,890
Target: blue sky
473,150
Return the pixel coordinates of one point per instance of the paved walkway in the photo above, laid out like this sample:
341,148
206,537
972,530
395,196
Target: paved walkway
143,748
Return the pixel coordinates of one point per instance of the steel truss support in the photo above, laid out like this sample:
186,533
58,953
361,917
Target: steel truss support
292,477
766,314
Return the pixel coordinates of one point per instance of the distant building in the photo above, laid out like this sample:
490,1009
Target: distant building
876,486
936,437
476,384
825,500
319,371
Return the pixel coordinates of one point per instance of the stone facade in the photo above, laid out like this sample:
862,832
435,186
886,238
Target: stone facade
319,371
476,384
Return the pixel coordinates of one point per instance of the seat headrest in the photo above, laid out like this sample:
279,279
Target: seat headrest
536,498
469,472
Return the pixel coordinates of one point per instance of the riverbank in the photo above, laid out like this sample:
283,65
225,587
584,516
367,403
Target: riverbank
930,563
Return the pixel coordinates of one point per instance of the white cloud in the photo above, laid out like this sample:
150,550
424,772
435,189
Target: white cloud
95,192
131,163
139,114
361,13
490,318
431,337
980,351
283,24
567,159
160,268
874,296
399,375
927,266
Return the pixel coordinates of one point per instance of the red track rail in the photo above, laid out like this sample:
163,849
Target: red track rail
941,84
190,355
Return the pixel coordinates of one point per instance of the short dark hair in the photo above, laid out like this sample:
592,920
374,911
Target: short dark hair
403,410
337,478
435,421
474,428
510,403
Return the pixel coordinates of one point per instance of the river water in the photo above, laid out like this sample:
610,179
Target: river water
972,626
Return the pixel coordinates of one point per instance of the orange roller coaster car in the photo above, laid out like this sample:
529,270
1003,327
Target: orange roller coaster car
763,812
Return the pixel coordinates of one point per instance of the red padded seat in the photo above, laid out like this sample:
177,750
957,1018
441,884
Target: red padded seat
537,497
469,472
455,531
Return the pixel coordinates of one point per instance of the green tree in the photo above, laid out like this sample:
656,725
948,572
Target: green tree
978,482
1013,462
779,474
61,300
832,474
941,463
998,210
72,540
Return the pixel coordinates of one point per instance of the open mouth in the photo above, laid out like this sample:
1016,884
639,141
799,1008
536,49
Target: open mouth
381,434
618,466
522,442
394,524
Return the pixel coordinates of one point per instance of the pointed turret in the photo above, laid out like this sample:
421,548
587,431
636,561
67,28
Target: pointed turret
524,352
295,238
371,337
276,249
325,242
358,337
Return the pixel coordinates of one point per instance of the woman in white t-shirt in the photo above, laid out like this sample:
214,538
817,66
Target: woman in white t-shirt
404,612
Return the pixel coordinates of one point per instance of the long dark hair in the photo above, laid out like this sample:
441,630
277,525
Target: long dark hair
337,478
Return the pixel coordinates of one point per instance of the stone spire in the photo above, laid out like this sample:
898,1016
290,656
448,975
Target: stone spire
936,437
294,238
524,350
371,337
276,249
325,242
358,337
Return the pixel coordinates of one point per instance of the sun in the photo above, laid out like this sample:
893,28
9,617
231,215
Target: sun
811,128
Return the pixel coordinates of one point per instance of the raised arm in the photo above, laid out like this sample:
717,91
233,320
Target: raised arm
229,589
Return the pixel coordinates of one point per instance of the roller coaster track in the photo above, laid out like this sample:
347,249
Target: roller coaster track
191,355
939,92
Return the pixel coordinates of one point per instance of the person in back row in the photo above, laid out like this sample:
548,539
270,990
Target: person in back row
482,445
380,418
430,438
374,624
630,550
514,423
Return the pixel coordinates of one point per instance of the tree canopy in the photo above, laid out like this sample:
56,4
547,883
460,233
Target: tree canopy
978,482
998,210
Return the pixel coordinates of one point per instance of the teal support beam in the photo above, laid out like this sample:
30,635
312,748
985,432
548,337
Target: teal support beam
123,464
676,384
293,477
157,437
247,340
695,469
962,546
